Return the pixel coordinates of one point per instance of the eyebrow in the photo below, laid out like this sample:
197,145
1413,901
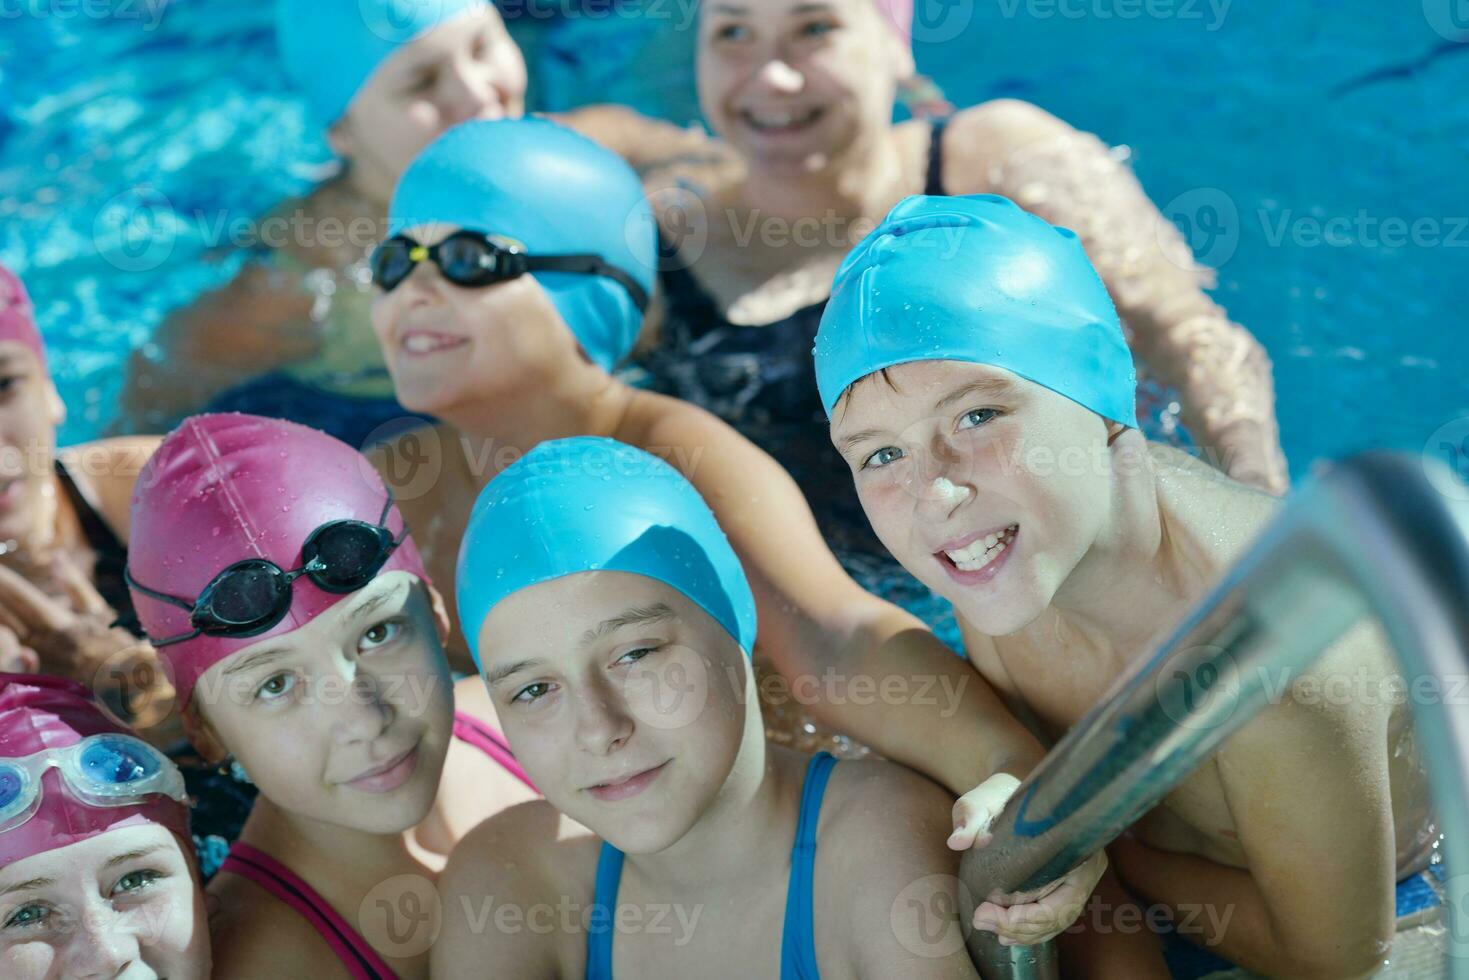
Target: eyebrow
135,854
27,885
857,438
992,387
258,659
638,615
370,605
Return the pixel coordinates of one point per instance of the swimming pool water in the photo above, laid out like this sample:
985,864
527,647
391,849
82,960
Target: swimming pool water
128,143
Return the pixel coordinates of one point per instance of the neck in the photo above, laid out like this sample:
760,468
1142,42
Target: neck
1132,582
860,182
731,841
329,856
583,401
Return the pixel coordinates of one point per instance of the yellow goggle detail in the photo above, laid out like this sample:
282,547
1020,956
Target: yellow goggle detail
417,253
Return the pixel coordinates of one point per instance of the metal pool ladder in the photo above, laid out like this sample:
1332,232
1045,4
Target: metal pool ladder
1380,534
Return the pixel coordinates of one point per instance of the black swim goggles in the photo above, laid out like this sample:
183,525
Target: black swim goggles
472,258
252,596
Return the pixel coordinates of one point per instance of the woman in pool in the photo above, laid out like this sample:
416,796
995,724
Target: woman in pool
803,93
276,578
613,623
63,532
981,392
289,337
97,870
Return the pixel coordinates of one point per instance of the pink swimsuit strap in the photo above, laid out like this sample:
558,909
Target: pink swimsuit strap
360,959
469,729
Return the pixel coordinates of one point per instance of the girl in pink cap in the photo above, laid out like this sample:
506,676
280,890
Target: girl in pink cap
97,869
274,574
63,532
803,93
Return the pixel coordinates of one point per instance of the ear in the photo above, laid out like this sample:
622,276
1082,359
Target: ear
342,138
441,612
201,736
55,407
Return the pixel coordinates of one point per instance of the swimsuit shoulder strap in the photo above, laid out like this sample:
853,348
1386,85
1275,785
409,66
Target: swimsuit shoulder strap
934,187
604,913
798,936
469,729
360,959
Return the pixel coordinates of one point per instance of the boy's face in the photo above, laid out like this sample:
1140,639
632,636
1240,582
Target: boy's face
30,411
988,488
625,702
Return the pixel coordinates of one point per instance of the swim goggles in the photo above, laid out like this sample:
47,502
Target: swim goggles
252,596
101,770
472,258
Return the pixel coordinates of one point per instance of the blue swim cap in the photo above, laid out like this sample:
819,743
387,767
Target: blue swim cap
587,504
555,191
331,47
976,279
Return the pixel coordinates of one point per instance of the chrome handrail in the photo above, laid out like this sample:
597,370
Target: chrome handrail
1371,536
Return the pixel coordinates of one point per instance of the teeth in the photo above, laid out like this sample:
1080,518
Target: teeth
983,550
780,120
422,343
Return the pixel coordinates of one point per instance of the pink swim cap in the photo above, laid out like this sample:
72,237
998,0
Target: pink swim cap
223,488
38,712
898,13
18,316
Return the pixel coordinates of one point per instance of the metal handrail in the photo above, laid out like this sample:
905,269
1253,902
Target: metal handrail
1372,536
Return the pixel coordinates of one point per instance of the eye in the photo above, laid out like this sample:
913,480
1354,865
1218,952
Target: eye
380,634
817,28
882,457
135,881
633,656
422,82
976,417
275,687
532,692
732,32
7,384
28,917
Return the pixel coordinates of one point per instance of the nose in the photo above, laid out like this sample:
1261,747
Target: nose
103,947
942,479
778,76
364,713
469,93
603,723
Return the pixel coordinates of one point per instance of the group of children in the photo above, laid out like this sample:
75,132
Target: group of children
527,682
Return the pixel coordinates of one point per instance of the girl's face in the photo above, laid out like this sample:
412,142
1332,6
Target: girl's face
125,903
988,488
624,701
30,411
447,345
346,720
466,68
793,84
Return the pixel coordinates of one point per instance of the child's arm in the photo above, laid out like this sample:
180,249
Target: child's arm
1307,786
490,886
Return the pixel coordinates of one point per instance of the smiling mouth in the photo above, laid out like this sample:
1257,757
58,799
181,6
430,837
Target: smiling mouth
780,122
388,776
981,552
627,786
420,342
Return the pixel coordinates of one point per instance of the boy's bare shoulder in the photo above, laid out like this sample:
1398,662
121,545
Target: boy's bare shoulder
531,846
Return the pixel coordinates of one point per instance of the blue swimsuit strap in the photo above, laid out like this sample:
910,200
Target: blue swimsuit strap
798,941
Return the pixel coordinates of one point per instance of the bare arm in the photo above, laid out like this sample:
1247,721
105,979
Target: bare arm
896,687
644,142
1070,178
1307,786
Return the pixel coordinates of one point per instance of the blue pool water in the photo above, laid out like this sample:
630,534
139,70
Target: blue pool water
128,143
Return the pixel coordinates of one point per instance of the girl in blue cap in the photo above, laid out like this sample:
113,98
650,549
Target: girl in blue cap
519,262
804,93
613,624
288,338
981,392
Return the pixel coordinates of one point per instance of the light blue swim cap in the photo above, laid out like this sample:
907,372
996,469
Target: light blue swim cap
556,192
586,504
331,47
976,279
